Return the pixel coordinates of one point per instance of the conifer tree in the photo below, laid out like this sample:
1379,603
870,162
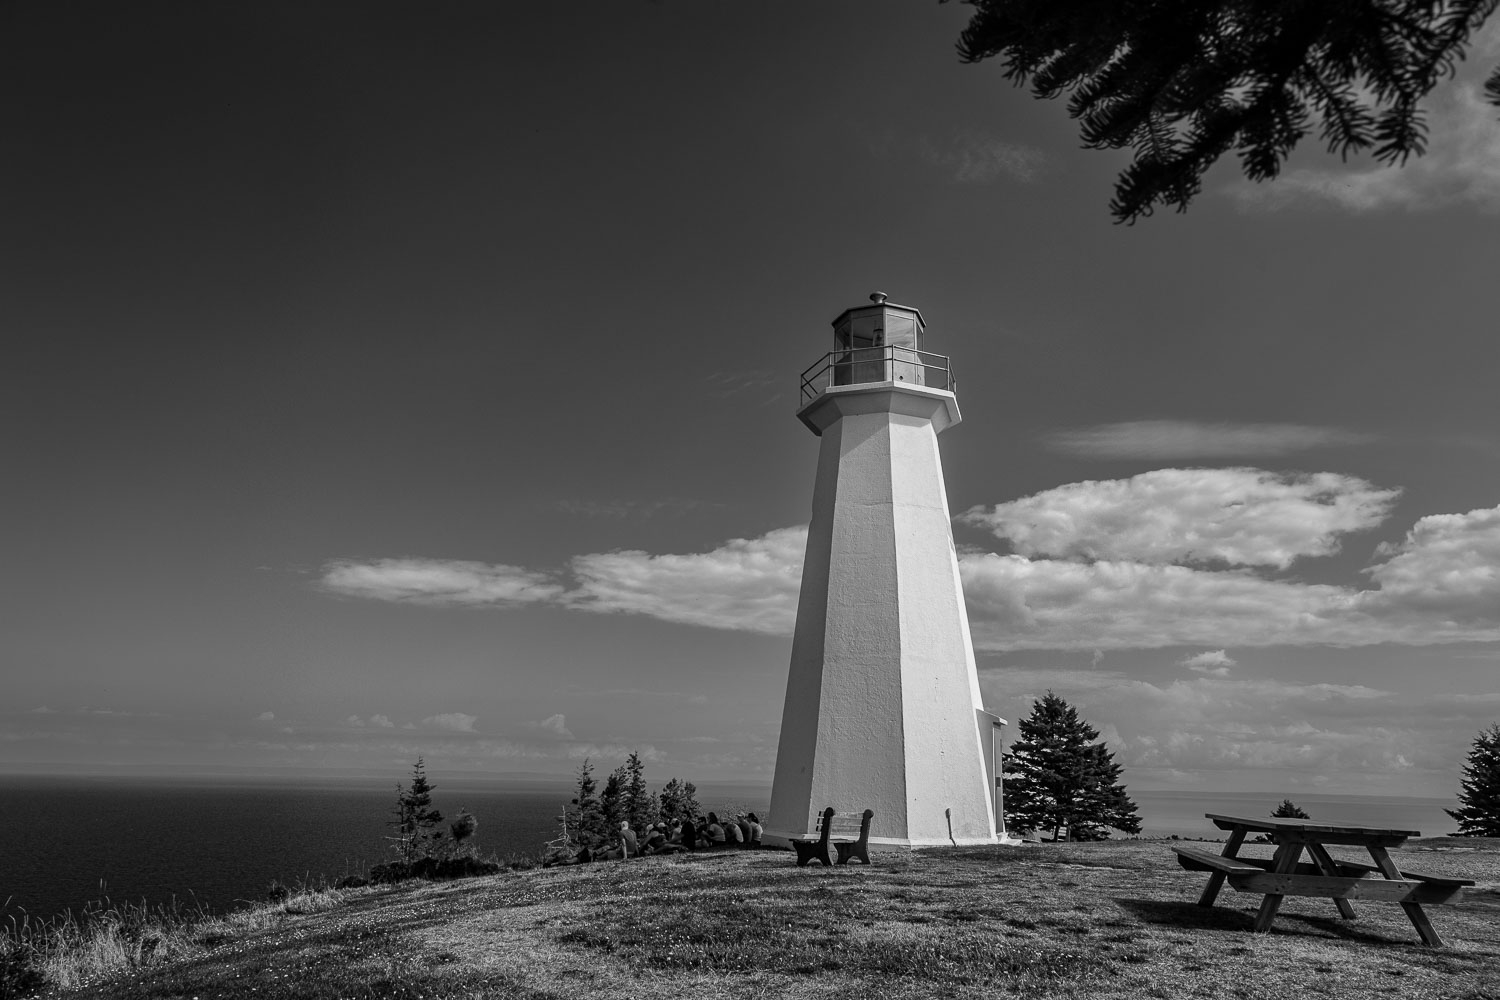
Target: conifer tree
414,817
611,800
638,804
1184,82
1060,777
1479,815
1289,810
679,800
584,820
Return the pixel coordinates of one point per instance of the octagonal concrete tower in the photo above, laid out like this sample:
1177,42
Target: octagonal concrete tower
883,709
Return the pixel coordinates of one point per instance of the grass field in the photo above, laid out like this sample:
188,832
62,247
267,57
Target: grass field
1088,920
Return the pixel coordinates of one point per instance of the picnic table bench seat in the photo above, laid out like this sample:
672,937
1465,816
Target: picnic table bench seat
1353,881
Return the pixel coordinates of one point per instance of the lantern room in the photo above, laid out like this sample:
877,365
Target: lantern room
878,343
883,324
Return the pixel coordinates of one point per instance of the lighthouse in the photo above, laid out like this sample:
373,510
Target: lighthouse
883,709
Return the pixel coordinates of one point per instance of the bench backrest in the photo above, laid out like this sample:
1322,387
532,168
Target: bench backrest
843,823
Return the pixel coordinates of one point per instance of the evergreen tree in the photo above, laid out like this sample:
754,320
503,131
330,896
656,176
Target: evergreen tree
415,818
1289,810
583,818
638,804
679,800
1183,82
1480,814
611,800
1059,777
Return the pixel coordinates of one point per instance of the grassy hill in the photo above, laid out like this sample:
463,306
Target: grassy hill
1088,920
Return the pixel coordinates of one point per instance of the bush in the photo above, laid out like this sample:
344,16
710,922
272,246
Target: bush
433,869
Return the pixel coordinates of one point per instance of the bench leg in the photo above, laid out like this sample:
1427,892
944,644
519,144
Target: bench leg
1216,880
1327,867
1414,911
1286,861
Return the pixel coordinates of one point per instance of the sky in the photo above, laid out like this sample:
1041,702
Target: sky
386,381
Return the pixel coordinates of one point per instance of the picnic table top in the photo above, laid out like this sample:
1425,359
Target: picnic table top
1307,828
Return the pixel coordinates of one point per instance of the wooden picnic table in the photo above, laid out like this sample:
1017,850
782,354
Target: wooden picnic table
1286,875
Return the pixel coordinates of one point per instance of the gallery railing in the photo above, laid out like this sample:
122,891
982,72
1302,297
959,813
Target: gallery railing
876,364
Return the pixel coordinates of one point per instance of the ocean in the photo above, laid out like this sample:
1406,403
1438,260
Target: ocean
65,842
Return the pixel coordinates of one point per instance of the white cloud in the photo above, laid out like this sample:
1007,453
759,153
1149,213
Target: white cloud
1215,663
1438,586
1448,564
380,721
1177,440
266,717
355,721
746,584
556,724
1190,728
1461,165
43,710
1243,517
972,158
438,582
458,722
1018,603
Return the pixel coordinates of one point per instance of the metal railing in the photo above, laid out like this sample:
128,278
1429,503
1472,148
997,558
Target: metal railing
876,364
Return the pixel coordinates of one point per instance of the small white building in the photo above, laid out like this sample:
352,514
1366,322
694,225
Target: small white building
883,709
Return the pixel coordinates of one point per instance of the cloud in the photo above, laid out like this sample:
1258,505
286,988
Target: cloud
1215,663
1017,603
1447,564
1461,165
1117,588
972,158
266,717
746,584
1192,727
354,720
380,722
556,724
1243,517
1020,603
438,582
1178,440
457,722
43,710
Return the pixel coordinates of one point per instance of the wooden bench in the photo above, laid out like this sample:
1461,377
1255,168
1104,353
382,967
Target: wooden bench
859,848
809,849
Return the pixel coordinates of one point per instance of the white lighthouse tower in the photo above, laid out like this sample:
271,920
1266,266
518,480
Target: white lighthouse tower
883,709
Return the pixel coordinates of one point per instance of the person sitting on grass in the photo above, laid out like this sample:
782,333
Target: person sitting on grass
715,831
755,831
733,837
744,827
629,845
689,834
655,840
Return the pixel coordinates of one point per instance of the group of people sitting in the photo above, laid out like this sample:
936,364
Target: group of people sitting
682,835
